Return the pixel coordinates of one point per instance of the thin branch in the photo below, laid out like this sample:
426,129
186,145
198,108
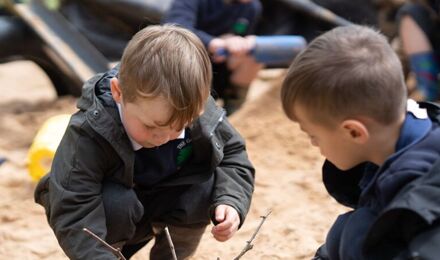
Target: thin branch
115,251
249,245
170,242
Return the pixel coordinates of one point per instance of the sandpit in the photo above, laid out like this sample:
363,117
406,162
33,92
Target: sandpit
288,175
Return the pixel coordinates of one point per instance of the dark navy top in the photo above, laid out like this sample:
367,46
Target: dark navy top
153,165
211,18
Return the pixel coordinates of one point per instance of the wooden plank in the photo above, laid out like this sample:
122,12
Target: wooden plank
76,53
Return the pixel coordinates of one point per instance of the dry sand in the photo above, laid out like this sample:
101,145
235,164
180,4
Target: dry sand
288,177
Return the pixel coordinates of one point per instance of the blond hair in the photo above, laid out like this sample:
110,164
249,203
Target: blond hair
345,73
167,61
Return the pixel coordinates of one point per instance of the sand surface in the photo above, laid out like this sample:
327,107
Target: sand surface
288,179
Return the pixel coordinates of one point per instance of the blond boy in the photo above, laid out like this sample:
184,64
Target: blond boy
148,148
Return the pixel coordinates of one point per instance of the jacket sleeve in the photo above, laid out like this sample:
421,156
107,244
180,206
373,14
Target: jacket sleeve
401,234
321,253
184,13
235,175
426,245
73,193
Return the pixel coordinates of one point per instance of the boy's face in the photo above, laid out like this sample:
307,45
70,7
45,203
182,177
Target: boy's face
144,119
337,144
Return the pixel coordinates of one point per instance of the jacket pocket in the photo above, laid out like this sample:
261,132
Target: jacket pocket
41,194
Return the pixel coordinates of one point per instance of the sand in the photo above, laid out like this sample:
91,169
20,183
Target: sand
288,179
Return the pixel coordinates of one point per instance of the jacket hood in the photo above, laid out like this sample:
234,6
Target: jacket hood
102,115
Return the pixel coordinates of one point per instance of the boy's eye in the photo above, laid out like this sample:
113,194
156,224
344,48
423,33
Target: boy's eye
149,127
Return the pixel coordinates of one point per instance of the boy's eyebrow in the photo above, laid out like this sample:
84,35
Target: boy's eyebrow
158,123
153,123
150,123
161,124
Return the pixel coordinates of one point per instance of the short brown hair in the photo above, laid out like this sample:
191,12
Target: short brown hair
167,61
347,72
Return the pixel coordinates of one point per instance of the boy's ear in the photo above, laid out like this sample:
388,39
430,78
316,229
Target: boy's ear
116,90
356,131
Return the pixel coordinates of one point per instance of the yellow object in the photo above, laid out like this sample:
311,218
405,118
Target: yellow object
45,144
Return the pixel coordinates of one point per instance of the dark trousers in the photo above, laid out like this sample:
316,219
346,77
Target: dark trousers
129,228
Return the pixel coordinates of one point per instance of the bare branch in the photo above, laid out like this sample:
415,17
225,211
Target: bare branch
249,245
115,251
170,242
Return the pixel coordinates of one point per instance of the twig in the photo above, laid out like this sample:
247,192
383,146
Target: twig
249,245
170,242
115,251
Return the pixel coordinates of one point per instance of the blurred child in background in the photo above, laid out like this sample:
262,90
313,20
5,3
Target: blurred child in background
224,26
419,23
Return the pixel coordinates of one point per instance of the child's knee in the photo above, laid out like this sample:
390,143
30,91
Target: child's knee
122,212
121,203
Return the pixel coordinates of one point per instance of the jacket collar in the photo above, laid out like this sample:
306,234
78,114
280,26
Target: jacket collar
415,127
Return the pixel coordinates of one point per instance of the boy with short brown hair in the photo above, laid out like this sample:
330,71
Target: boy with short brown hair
347,92
148,148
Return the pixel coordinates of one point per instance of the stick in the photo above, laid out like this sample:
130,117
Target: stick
249,245
115,251
170,242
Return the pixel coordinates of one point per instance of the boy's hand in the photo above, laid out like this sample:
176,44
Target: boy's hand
235,46
238,46
228,222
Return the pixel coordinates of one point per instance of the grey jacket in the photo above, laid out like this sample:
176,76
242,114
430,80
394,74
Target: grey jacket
95,148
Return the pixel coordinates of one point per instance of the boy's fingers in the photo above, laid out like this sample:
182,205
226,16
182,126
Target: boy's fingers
223,226
222,238
228,227
238,45
220,213
225,231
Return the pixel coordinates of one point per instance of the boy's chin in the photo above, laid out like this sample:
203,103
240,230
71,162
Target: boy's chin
343,167
148,145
